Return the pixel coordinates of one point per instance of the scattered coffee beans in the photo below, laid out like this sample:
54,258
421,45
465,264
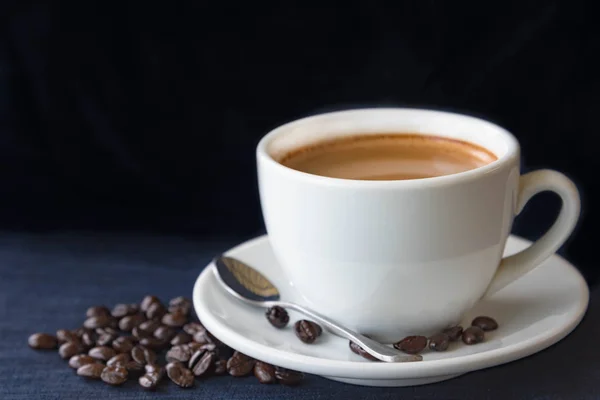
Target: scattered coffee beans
473,335
180,375
80,360
193,351
114,375
360,351
485,323
412,344
91,371
307,331
42,341
278,316
288,376
240,364
265,373
439,342
454,333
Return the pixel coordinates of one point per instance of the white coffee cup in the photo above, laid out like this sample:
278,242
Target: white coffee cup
407,257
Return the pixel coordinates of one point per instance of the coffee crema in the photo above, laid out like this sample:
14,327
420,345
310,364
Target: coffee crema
391,157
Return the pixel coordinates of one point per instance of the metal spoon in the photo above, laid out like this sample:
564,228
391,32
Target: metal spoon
247,284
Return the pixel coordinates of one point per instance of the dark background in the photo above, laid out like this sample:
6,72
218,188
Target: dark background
143,117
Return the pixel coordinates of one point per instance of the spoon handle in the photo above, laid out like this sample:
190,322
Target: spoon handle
376,349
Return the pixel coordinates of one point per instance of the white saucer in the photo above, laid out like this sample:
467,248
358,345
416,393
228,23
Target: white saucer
533,313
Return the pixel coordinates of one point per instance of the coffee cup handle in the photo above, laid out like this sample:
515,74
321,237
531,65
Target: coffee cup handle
513,267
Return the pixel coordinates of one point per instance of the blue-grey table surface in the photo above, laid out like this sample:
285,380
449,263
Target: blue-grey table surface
47,282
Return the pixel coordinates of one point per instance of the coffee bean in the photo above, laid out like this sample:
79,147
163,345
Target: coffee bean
240,364
97,311
103,353
119,359
153,343
473,335
70,349
439,342
128,322
42,341
181,304
220,367
107,331
98,321
134,368
122,310
91,371
180,353
154,368
147,301
104,339
150,380
277,316
360,351
164,333
156,311
307,331
454,333
181,338
180,375
485,323
265,373
175,319
89,338
288,377
201,362
412,344
149,326
201,337
138,333
79,360
114,375
63,335
193,327
194,346
123,344
143,355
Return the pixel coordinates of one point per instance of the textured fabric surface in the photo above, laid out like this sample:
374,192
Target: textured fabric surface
47,282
